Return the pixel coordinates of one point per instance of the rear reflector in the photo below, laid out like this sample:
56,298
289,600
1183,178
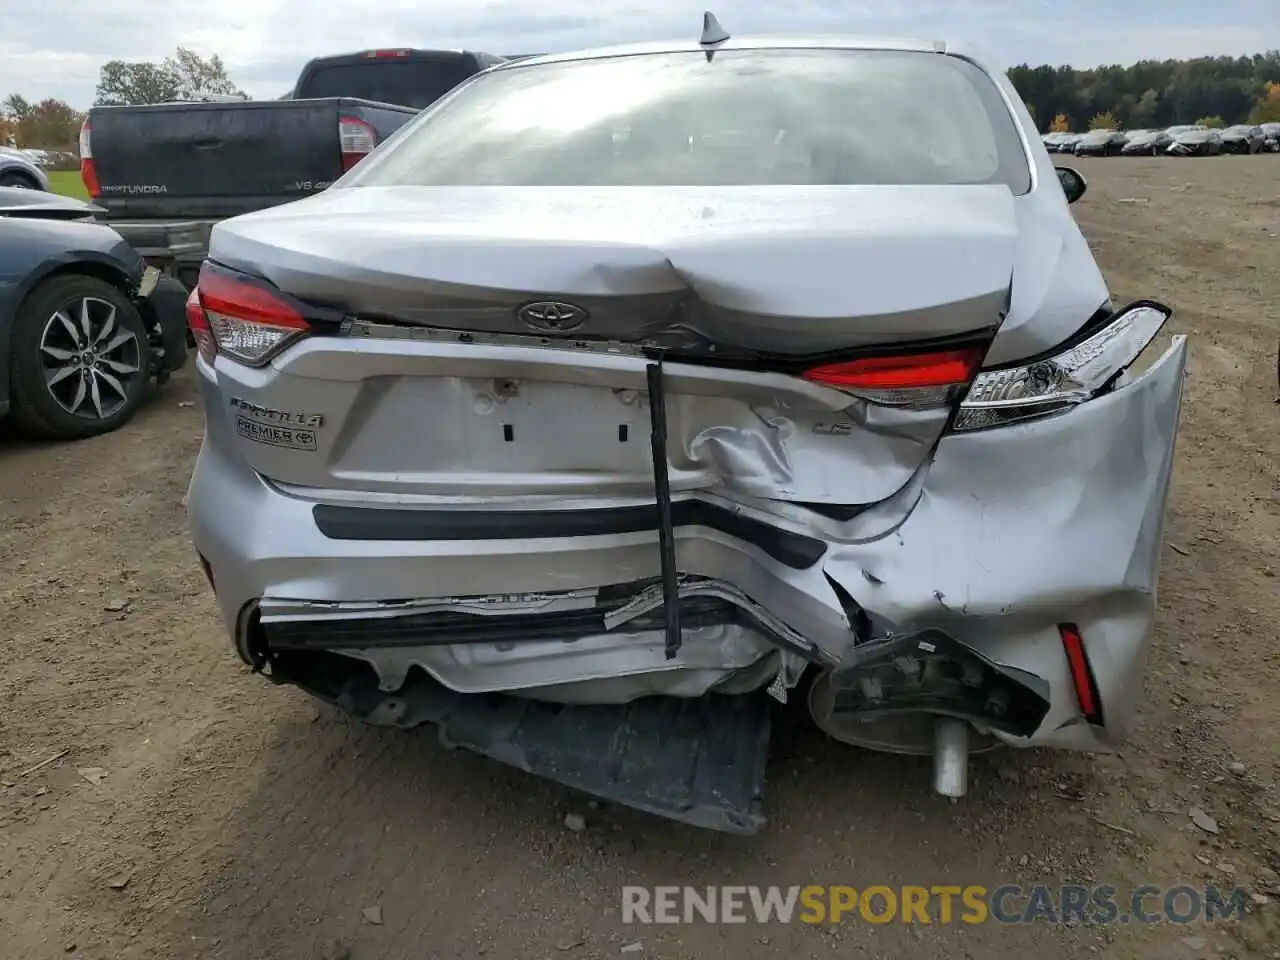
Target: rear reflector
1081,673
249,321
356,140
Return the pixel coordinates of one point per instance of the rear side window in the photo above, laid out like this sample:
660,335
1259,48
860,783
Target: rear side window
746,117
410,83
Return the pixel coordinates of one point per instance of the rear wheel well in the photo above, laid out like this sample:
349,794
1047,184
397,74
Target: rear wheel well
21,176
88,268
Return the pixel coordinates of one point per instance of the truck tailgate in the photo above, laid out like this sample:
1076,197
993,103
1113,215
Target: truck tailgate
214,159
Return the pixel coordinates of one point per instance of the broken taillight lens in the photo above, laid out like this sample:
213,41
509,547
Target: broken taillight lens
248,320
911,379
1076,373
206,345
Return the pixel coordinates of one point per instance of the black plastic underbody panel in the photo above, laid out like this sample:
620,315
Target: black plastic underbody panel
376,523
700,762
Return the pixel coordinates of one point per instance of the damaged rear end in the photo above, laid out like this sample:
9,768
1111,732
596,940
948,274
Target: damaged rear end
578,473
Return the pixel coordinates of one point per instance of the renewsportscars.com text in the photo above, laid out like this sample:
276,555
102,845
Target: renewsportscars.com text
1008,904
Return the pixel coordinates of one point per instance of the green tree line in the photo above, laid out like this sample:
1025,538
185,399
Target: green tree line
55,124
1150,93
1154,93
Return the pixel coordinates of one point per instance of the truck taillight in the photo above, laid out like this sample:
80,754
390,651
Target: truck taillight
356,140
88,172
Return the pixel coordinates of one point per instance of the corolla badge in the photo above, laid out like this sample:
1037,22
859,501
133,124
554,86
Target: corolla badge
552,316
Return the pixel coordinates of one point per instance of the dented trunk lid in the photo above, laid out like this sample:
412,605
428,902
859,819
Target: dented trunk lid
440,386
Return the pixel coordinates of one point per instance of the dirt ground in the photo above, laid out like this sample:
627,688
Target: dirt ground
196,811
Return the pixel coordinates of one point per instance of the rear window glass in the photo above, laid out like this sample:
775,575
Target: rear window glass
746,117
408,83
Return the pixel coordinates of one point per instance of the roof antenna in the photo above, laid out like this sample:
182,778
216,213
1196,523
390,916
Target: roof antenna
712,33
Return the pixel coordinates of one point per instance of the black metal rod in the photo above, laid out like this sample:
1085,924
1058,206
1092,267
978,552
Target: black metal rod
662,493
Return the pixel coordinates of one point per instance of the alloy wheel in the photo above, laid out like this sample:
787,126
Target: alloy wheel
89,358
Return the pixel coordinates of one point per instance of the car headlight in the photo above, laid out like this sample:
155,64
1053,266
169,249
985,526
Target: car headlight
1071,376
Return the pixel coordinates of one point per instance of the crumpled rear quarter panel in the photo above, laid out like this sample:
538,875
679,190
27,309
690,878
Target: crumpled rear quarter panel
1026,526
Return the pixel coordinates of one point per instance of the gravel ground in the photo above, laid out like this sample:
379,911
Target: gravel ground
196,811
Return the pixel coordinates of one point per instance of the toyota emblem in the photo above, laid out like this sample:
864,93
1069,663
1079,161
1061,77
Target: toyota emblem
552,316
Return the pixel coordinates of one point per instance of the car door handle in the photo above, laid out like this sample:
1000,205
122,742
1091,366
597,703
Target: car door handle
210,143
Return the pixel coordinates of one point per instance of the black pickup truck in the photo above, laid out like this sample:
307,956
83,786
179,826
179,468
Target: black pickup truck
166,173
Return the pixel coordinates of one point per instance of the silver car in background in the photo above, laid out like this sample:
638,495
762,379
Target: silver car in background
624,388
18,169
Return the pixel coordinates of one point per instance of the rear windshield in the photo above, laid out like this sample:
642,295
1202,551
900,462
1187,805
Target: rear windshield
746,117
410,83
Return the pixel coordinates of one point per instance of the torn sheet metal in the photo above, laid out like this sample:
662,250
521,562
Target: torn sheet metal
1025,526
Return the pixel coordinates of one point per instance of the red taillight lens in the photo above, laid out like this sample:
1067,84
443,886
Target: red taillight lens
88,171
356,140
941,369
206,344
1081,674
247,320
386,54
903,379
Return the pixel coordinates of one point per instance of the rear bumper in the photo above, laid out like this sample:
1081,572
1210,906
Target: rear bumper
1007,534
179,245
163,307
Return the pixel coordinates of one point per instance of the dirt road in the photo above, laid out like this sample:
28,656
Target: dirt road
226,818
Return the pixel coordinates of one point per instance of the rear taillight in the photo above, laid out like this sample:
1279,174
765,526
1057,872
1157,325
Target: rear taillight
356,140
245,318
910,379
206,345
386,54
88,172
1076,374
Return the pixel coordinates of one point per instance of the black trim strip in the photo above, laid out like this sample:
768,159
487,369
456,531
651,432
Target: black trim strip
662,498
374,523
446,628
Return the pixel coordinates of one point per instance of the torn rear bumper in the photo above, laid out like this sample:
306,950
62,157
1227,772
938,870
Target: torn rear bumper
1008,533
699,761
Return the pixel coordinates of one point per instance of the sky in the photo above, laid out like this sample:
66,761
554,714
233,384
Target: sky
54,48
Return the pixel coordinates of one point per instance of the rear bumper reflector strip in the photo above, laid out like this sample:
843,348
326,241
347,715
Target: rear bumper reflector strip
662,495
405,524
1082,678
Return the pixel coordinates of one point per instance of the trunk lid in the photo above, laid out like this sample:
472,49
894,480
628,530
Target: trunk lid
794,270
442,388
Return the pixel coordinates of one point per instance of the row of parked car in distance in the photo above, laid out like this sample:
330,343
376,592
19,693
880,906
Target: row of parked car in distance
1184,140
